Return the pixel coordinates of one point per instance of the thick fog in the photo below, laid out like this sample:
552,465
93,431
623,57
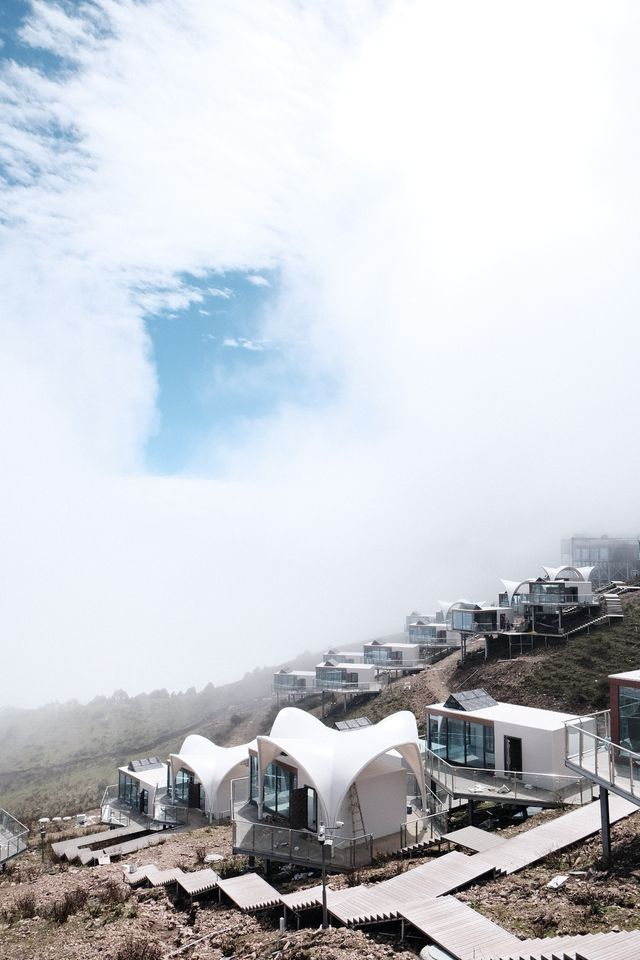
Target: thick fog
446,199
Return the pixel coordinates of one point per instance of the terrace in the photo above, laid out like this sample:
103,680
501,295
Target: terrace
507,786
272,839
592,754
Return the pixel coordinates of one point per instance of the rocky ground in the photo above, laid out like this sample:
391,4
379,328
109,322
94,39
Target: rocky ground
55,910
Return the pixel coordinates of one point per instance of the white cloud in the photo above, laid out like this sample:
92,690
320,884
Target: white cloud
449,197
257,280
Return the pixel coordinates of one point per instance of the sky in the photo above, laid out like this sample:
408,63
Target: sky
311,314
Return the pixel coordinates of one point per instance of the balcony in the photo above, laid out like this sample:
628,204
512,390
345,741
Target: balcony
506,786
591,753
276,841
13,837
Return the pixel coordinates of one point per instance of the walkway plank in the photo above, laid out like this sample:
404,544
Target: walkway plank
199,881
473,838
301,899
250,892
458,929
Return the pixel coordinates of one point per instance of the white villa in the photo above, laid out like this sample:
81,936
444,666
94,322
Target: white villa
480,748
354,782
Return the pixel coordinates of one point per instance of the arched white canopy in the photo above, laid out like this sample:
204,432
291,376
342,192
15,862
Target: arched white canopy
447,605
210,763
333,759
581,573
512,586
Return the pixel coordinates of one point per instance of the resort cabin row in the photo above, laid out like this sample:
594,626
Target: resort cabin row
549,604
362,783
355,673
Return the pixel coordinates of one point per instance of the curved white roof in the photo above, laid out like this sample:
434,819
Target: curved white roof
210,763
582,573
333,759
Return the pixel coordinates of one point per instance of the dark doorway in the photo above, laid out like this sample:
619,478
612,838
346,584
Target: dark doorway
513,754
144,801
194,795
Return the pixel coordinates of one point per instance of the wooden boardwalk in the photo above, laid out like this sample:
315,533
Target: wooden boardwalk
385,900
589,946
473,838
539,842
458,929
250,892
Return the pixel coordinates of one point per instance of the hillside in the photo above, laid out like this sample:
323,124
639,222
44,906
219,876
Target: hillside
58,759
571,677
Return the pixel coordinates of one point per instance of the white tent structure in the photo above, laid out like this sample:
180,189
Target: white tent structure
332,762
214,767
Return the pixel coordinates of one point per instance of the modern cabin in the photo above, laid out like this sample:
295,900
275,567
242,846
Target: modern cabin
339,677
353,782
294,684
478,747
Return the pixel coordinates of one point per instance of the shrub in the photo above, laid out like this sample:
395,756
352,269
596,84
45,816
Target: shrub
71,902
113,892
136,948
200,852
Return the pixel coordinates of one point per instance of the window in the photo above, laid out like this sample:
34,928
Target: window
629,712
461,741
279,784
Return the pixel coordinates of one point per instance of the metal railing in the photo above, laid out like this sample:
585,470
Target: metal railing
13,836
110,811
301,846
590,750
420,830
167,812
513,785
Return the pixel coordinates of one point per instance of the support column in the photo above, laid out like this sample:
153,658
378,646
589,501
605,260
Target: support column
470,811
605,826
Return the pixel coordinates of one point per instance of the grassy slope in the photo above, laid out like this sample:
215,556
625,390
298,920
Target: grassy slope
58,759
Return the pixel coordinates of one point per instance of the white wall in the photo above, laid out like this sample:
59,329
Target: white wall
383,799
542,750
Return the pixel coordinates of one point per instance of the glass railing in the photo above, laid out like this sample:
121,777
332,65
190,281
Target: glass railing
590,750
301,846
345,687
521,786
13,836
170,813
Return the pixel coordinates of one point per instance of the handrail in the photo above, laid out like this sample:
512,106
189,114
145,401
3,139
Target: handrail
455,780
302,846
598,756
13,836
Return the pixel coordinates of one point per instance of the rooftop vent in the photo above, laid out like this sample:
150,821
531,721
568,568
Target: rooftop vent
470,700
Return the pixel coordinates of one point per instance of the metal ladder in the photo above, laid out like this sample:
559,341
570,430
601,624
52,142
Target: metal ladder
356,811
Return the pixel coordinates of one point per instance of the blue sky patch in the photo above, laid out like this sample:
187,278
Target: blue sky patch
214,367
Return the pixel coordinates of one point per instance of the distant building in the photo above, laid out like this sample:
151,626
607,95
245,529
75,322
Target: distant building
613,558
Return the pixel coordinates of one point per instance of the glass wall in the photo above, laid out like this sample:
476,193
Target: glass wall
128,789
460,741
183,779
279,783
629,712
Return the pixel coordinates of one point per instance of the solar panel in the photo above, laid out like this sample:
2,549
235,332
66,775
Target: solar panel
146,763
356,723
470,700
